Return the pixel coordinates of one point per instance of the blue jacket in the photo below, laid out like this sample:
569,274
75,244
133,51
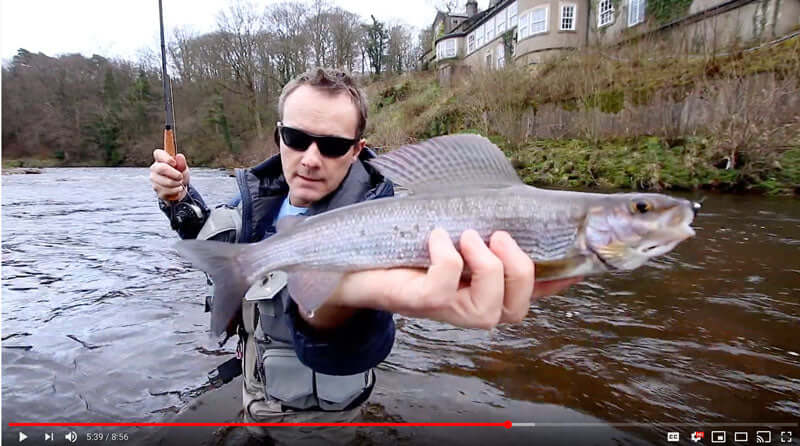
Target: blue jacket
367,338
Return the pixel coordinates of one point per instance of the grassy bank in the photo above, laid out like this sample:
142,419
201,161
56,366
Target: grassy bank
647,163
628,118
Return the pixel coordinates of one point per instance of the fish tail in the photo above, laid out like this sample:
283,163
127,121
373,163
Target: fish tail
226,264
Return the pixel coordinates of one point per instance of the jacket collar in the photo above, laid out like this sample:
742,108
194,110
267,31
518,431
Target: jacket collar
263,188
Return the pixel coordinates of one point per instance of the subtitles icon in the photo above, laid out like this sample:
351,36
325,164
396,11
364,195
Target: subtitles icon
740,437
673,437
697,436
718,436
763,437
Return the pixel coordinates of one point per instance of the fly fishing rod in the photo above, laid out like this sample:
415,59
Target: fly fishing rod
169,126
181,214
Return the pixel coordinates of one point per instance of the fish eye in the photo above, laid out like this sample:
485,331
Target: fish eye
642,207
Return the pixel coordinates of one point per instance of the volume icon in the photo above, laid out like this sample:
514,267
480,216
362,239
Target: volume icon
72,437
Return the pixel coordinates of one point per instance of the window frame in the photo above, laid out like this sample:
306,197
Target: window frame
447,50
500,27
546,15
512,7
470,43
641,6
523,31
573,18
608,11
490,27
500,51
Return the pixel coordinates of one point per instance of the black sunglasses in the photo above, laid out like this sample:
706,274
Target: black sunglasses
329,146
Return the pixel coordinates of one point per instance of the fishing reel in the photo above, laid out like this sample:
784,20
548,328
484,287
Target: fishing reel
185,215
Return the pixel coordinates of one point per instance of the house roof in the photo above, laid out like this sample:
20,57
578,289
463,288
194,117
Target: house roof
476,20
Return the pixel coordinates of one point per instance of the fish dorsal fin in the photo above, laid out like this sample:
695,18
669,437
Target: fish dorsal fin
447,161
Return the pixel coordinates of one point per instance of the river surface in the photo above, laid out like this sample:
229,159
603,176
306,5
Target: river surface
103,322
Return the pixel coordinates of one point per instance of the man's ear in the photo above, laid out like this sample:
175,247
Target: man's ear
358,147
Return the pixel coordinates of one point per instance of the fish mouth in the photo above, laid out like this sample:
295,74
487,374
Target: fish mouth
667,241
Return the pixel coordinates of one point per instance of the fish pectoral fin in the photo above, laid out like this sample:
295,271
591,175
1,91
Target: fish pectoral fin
447,161
311,288
577,265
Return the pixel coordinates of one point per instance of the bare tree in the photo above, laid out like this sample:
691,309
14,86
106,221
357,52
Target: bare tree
291,46
346,35
319,30
239,28
399,48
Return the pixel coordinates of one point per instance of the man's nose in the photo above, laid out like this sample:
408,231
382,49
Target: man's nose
311,156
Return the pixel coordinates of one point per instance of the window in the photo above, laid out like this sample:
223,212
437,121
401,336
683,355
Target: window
501,55
636,12
512,15
480,36
605,13
439,51
538,20
523,26
489,60
567,18
501,22
451,48
490,30
471,43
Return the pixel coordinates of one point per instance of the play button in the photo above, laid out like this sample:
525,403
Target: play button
22,437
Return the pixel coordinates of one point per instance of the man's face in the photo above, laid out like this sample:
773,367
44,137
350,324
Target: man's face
310,175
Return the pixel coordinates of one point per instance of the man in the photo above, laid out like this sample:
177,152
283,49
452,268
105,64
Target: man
296,364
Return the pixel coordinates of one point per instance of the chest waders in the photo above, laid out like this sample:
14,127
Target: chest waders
266,335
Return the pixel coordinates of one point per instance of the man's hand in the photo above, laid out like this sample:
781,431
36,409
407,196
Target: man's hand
169,176
499,288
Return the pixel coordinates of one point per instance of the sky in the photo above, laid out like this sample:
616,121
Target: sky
127,28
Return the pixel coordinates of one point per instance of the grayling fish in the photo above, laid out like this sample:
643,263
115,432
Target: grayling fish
457,183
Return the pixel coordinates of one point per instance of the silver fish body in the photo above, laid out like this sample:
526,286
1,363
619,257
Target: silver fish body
466,184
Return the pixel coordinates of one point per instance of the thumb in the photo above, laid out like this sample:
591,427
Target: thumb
180,162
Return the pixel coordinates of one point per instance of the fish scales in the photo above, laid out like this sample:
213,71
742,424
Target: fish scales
387,233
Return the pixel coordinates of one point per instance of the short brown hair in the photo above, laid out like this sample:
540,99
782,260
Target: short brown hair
333,81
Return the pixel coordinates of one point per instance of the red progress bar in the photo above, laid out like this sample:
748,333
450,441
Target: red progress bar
507,424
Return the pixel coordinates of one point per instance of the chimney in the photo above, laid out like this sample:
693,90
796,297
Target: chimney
472,8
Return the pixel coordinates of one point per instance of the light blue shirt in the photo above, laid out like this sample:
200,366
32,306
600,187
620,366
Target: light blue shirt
288,209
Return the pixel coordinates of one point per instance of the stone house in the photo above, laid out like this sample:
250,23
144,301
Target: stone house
529,31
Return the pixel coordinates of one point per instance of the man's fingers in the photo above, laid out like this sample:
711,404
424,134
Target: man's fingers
444,273
487,285
164,170
161,156
180,162
164,181
548,288
518,274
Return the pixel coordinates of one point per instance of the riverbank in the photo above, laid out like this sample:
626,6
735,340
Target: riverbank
618,118
644,163
653,164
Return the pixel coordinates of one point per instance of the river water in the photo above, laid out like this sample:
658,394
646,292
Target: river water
102,322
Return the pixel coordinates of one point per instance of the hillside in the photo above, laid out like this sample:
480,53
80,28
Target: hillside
623,118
